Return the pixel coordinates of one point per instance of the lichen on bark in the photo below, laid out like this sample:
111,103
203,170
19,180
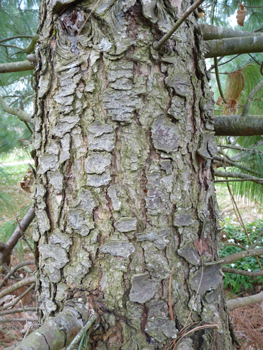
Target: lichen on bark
124,186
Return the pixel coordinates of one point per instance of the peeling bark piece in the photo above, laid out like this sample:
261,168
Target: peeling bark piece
160,328
97,162
182,217
120,70
166,165
208,147
98,128
177,109
76,271
185,344
103,143
189,253
116,203
180,83
48,162
164,134
126,224
54,255
43,221
159,237
64,126
60,239
56,180
212,278
86,201
80,222
118,248
150,9
143,288
121,104
80,215
99,180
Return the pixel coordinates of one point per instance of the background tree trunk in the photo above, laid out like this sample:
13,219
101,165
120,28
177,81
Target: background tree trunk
124,189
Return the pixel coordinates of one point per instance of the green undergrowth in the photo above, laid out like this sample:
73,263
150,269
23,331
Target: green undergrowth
233,234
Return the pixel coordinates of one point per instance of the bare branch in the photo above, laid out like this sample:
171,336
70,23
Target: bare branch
224,161
243,149
9,312
239,125
14,302
257,240
25,222
211,32
233,46
242,272
32,45
15,268
239,302
22,115
239,175
240,255
17,285
64,327
12,46
16,66
250,99
18,320
16,37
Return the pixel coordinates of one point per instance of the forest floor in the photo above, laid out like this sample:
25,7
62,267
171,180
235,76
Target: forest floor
247,321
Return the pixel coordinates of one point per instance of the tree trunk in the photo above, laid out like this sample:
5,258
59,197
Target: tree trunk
124,188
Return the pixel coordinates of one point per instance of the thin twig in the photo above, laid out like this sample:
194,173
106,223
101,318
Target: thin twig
76,340
15,268
242,272
23,235
92,10
14,302
250,98
257,240
8,312
15,286
18,320
218,80
158,44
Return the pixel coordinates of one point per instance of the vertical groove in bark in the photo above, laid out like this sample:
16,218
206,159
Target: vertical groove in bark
124,190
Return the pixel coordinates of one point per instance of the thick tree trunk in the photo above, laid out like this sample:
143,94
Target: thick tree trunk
124,189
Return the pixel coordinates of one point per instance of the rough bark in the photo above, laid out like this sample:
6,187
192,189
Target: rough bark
124,188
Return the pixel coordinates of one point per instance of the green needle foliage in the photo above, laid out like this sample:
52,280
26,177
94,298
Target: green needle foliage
238,78
18,20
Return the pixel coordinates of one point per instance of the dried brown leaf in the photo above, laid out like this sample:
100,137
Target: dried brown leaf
219,101
201,247
241,14
27,181
231,107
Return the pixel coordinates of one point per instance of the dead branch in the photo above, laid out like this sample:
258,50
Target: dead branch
17,285
239,302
